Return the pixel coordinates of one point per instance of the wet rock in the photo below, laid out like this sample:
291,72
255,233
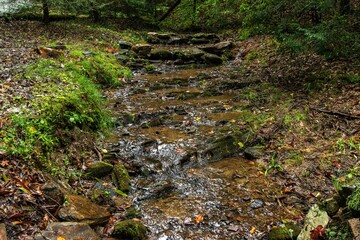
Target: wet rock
212,59
67,230
124,44
194,54
161,54
152,38
3,234
221,148
99,169
314,218
120,178
287,231
331,206
345,192
353,202
55,190
81,209
218,48
253,152
130,230
203,38
142,49
355,227
153,123
256,203
129,118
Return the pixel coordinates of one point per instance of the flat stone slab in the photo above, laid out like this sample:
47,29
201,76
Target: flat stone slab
81,209
67,230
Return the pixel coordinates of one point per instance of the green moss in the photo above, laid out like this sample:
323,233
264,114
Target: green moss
121,178
286,231
353,202
132,213
130,230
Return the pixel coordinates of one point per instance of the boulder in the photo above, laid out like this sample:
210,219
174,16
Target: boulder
161,54
130,230
80,209
99,169
314,218
189,54
67,230
203,38
218,48
124,45
287,231
253,152
331,206
142,49
121,178
221,148
55,190
212,59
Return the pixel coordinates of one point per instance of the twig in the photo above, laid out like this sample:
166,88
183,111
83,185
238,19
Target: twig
98,152
335,113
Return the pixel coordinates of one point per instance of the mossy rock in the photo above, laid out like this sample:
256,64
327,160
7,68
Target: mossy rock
121,178
330,205
132,213
161,54
353,202
286,231
130,230
99,169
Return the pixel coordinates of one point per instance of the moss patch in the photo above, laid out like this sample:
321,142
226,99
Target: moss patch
131,230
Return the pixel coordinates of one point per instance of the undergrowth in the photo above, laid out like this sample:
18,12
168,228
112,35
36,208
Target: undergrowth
66,96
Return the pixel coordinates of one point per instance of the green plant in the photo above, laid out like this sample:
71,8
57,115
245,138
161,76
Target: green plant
273,165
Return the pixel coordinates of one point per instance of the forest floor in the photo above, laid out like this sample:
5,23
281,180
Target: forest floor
313,143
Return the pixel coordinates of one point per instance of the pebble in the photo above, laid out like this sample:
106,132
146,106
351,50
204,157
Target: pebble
257,203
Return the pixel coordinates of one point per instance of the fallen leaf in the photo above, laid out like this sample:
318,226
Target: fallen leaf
252,231
199,219
61,238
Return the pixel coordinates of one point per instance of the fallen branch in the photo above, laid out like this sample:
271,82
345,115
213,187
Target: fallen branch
335,113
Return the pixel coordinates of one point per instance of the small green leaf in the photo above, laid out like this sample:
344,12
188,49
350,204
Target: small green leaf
240,144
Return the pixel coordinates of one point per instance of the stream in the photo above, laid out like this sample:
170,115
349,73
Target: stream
190,180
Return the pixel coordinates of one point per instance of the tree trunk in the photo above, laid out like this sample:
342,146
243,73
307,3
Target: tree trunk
170,10
345,7
46,12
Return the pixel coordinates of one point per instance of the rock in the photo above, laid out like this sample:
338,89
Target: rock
256,203
218,48
81,209
331,206
353,202
202,38
221,148
315,217
355,227
99,169
212,59
124,44
129,118
3,234
120,178
55,190
189,54
130,230
287,231
142,49
345,192
253,152
152,38
161,54
67,230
